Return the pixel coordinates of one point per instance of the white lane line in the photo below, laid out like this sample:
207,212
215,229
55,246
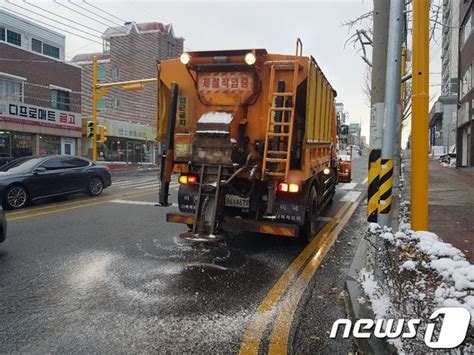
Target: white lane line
140,203
348,186
351,196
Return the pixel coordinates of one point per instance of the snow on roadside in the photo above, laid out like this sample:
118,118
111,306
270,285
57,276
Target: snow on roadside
419,273
457,274
380,301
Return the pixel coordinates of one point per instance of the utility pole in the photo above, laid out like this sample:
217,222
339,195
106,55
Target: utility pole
94,108
392,111
377,96
379,65
419,124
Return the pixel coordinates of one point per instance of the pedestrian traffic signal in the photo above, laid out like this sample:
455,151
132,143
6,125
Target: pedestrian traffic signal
90,129
103,134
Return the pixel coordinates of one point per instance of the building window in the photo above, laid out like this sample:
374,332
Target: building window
466,83
466,30
101,75
60,99
22,144
170,50
115,72
115,103
14,38
36,45
11,89
50,51
101,105
106,46
49,145
2,34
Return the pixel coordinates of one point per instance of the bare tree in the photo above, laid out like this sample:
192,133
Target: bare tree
360,32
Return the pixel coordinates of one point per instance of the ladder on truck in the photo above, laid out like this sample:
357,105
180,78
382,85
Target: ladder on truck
208,201
280,120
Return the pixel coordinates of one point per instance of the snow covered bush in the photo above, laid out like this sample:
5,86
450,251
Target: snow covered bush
416,273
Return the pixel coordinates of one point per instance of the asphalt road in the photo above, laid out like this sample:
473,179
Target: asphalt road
109,275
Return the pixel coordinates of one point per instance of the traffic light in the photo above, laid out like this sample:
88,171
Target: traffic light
90,129
103,134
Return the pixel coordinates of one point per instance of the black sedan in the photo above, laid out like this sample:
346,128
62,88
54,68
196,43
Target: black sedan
32,178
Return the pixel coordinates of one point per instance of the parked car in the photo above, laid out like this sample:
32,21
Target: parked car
35,177
5,158
351,149
450,157
3,225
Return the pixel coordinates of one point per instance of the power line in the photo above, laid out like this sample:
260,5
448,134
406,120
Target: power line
52,13
51,19
80,13
108,13
49,25
92,12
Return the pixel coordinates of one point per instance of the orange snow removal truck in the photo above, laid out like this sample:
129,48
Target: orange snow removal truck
254,138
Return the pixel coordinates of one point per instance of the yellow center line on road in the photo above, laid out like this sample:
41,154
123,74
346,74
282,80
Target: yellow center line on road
283,320
71,206
256,327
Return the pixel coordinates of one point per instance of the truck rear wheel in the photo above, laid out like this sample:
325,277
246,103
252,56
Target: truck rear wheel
310,227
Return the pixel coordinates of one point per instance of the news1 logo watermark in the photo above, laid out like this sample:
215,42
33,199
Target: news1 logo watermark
452,333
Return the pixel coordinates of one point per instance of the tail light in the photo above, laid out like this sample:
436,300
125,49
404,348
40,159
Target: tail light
286,187
188,179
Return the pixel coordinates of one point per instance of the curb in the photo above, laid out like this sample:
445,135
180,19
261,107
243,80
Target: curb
362,257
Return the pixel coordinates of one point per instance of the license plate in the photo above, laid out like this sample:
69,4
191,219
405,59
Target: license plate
237,201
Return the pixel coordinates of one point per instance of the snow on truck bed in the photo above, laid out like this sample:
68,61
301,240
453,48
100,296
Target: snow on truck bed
216,117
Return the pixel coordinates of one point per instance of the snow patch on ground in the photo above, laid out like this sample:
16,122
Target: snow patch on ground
380,301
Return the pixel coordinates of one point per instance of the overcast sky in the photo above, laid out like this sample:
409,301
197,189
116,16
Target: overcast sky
273,25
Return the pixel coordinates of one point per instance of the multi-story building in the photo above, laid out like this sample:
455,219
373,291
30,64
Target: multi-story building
465,117
130,52
40,99
450,44
354,133
443,111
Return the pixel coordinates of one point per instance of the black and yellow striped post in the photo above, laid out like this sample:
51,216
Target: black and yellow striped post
385,186
373,190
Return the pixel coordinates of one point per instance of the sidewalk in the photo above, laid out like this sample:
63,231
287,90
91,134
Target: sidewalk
451,205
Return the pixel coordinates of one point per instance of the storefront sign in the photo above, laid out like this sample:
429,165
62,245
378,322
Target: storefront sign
128,130
39,116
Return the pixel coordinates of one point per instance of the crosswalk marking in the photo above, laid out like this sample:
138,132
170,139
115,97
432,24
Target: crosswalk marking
348,186
155,184
351,196
132,183
140,203
142,184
